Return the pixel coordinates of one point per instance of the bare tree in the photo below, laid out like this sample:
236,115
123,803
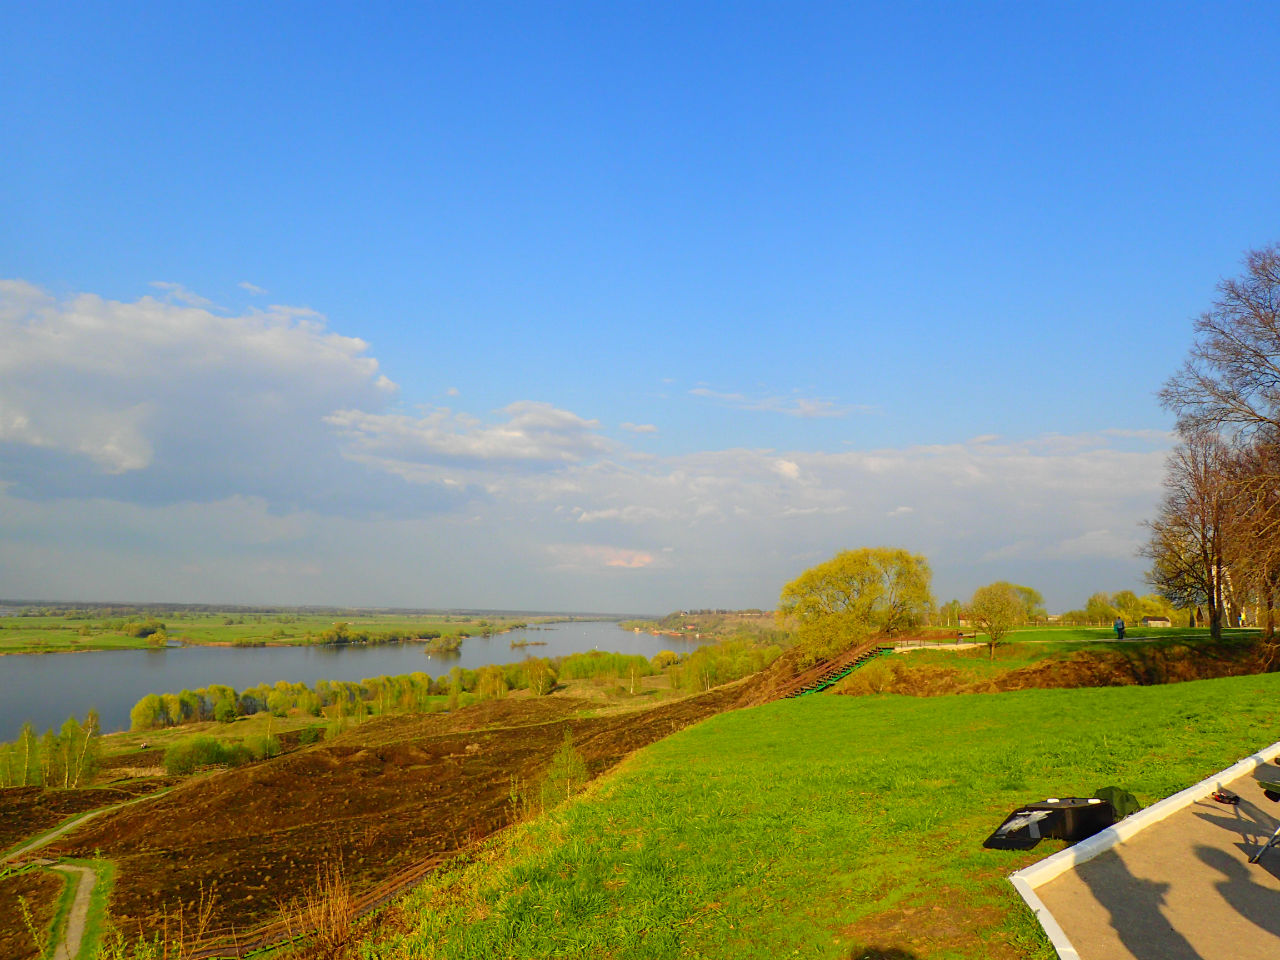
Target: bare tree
1231,381
1187,543
1253,522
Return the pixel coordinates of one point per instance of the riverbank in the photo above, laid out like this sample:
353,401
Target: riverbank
159,629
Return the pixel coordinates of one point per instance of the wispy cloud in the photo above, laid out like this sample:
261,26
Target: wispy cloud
808,408
177,293
580,556
252,288
639,427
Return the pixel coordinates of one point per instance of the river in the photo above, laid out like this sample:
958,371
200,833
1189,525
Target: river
46,688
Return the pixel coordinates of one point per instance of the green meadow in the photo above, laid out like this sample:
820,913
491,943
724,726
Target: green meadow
60,633
1031,645
826,826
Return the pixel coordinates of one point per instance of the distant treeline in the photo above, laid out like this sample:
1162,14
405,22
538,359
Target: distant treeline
113,608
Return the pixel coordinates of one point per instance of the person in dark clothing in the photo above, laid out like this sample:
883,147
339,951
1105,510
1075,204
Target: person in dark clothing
1119,625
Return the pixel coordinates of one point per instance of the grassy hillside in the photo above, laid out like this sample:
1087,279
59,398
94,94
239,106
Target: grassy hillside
824,827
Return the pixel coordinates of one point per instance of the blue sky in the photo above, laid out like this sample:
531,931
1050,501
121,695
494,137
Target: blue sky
655,304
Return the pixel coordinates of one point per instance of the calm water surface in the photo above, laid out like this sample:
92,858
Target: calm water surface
46,688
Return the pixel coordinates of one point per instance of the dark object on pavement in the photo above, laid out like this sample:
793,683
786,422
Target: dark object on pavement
1068,818
1225,796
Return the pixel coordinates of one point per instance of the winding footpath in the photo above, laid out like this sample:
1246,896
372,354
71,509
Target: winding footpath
84,879
68,946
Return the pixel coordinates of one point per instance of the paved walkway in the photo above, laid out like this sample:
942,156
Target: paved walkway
1182,889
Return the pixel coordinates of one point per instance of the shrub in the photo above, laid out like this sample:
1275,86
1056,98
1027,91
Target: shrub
261,746
186,756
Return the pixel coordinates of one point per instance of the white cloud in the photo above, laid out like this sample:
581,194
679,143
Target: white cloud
804,407
532,434
578,556
176,438
631,514
639,427
156,401
787,468
252,288
177,293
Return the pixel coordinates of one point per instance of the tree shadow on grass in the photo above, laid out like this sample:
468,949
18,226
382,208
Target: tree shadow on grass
883,953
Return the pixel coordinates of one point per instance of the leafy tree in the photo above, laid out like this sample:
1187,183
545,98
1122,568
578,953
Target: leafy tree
492,682
48,759
1128,604
1098,608
663,659
147,713
856,593
90,749
950,612
996,608
29,753
1032,603
69,738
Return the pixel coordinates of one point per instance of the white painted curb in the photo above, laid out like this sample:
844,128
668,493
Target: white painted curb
1028,879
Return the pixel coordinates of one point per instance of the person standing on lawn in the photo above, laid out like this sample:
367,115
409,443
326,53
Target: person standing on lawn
1119,625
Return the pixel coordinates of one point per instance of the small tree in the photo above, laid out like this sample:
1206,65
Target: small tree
567,773
539,676
996,608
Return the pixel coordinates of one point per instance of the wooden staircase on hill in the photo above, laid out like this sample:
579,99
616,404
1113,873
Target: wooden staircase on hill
835,670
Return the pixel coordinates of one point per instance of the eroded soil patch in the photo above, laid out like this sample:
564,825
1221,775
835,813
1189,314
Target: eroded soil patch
40,889
28,811
387,794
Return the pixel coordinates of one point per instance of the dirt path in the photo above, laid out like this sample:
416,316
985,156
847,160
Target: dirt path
69,943
52,835
70,825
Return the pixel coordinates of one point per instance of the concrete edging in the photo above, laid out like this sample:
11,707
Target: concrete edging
1028,879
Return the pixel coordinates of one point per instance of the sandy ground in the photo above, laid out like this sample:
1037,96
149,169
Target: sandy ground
1182,889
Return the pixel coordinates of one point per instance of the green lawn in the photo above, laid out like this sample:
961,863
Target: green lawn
825,827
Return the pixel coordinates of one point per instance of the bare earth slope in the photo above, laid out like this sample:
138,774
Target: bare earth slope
389,794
